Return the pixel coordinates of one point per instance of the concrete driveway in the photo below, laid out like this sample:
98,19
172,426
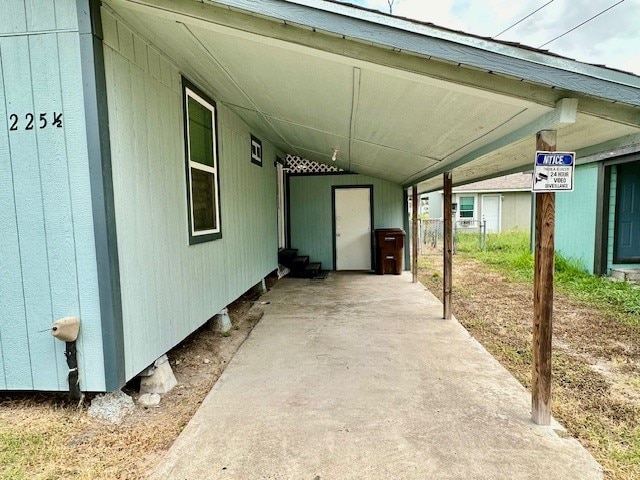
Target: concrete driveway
357,376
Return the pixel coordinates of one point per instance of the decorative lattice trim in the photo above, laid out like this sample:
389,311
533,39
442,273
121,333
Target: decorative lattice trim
295,164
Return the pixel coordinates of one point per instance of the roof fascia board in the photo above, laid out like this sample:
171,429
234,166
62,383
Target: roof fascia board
429,41
564,114
487,44
605,151
462,38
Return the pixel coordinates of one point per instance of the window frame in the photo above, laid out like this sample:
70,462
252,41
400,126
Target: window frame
473,209
189,90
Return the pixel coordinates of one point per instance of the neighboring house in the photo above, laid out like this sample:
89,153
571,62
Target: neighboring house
598,223
142,143
503,202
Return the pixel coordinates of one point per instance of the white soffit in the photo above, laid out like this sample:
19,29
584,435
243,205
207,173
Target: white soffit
385,121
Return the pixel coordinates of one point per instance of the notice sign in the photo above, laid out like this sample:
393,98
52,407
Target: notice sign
553,172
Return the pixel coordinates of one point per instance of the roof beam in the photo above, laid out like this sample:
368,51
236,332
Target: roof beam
564,114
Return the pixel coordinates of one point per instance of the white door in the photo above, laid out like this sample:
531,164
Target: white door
353,228
491,212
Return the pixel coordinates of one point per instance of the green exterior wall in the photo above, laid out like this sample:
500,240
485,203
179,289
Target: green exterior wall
170,288
516,211
576,217
310,208
515,208
47,248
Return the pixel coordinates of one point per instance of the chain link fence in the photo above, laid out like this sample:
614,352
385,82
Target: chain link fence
431,234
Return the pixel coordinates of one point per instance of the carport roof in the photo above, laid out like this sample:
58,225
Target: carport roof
399,99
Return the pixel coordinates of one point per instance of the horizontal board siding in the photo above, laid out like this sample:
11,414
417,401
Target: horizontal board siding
576,217
47,253
311,219
170,288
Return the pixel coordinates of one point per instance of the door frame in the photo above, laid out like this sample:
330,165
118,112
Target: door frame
282,204
499,195
617,259
333,219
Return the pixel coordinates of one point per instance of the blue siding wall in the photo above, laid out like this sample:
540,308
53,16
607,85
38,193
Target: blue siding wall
47,254
576,217
311,218
170,288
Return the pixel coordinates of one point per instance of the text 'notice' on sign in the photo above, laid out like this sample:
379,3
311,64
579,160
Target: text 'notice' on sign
553,171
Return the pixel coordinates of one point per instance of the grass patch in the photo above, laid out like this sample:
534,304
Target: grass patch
596,381
23,452
509,252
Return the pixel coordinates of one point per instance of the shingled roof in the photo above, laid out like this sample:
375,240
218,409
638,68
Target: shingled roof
513,182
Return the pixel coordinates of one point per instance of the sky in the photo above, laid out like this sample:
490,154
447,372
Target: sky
612,39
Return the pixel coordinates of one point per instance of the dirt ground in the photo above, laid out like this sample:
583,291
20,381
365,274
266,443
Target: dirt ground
47,437
596,359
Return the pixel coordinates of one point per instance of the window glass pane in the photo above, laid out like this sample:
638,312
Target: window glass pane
200,133
466,207
203,197
466,203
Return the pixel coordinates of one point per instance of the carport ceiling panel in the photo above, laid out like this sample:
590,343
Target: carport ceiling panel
282,83
389,160
184,51
589,130
341,162
526,117
262,129
518,156
312,139
428,120
515,157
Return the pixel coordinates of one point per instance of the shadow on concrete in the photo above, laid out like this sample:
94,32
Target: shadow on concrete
358,377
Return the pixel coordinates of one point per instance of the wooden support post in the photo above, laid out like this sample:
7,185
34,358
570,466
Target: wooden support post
405,226
543,295
448,246
414,233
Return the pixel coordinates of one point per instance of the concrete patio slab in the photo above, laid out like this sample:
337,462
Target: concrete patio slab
358,377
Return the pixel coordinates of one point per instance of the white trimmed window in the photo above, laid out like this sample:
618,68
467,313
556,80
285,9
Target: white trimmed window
203,192
466,207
